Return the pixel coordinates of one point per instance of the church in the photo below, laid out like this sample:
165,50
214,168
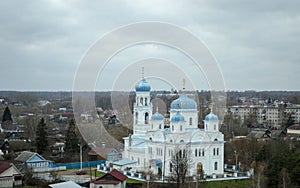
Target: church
153,143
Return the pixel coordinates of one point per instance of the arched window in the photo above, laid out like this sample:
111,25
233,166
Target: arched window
199,152
217,151
196,152
214,151
171,167
150,138
171,140
146,118
159,126
136,117
181,141
203,152
141,100
216,165
191,121
146,101
215,127
180,127
172,127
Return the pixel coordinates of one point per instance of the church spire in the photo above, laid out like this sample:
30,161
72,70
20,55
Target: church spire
142,72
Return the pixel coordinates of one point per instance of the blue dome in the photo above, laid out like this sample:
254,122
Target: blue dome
211,117
177,117
143,85
157,116
183,102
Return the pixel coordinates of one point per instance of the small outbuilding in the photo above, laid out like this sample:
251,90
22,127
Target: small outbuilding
10,176
112,179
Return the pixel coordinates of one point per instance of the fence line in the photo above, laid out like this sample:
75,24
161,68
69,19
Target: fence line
77,164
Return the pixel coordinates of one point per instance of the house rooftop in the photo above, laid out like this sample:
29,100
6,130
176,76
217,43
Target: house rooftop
112,177
123,162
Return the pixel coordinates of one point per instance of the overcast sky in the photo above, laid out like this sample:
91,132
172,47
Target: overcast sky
256,43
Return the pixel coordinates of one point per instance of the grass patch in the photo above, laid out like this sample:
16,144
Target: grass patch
228,183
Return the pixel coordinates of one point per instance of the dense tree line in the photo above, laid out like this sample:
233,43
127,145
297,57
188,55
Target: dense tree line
281,161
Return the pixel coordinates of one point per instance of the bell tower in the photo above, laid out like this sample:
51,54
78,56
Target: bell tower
142,108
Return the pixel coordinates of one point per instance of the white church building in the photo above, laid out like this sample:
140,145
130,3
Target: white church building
153,143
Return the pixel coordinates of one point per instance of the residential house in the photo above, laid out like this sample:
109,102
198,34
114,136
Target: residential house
10,176
104,153
112,179
67,184
33,160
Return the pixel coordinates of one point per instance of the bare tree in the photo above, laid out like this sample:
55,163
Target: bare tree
180,164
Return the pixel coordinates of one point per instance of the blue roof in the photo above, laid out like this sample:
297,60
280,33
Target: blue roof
177,117
157,116
184,102
211,117
143,86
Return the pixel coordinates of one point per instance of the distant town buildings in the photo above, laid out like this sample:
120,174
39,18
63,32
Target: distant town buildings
266,113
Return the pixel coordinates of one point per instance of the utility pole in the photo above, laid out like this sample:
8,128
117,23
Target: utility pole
80,146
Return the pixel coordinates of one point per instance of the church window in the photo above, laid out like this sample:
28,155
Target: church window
180,153
215,127
214,151
181,141
216,165
150,138
136,117
172,127
199,152
171,167
203,152
146,118
196,152
138,161
159,126
171,140
152,126
205,126
191,121
141,100
146,102
217,151
180,127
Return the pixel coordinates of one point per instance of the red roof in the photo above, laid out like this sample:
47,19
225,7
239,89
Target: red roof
294,127
118,175
112,177
4,166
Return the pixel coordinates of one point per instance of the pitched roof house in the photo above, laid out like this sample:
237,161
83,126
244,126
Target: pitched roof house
104,153
33,160
10,176
112,179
